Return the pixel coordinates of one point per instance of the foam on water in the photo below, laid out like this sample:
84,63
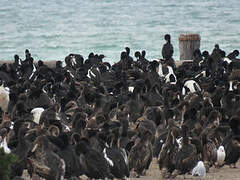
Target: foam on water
52,29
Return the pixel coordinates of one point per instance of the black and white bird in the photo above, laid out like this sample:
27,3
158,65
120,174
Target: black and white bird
116,157
186,157
190,86
168,73
117,162
233,85
171,77
33,71
94,163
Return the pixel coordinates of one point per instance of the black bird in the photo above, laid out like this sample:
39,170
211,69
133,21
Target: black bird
232,150
186,157
117,158
45,162
67,153
168,152
21,151
140,155
93,162
209,151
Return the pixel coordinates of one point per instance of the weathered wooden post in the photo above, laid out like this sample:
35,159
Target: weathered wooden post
187,44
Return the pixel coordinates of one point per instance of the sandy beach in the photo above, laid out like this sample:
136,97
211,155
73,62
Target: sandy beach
224,173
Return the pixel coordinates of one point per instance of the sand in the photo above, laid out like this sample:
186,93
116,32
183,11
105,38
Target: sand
224,173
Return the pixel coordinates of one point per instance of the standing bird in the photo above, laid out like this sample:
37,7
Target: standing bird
167,49
45,162
4,100
220,156
116,157
232,148
117,162
209,151
186,157
140,155
21,151
190,86
94,164
199,170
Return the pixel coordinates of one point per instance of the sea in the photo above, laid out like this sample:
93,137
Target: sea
53,29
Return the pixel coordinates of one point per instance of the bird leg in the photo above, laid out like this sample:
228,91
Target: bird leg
4,118
164,172
138,174
216,166
144,172
234,165
206,164
135,174
175,173
35,177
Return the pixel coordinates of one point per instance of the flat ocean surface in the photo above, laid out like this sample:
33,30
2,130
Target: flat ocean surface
54,28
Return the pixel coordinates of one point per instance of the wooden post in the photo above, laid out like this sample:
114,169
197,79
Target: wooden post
187,44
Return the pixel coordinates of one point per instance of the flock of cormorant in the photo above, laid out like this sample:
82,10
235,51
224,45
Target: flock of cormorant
88,117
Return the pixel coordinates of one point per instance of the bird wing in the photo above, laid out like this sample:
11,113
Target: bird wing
199,171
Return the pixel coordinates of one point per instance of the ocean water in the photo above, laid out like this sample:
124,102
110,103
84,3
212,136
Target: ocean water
52,29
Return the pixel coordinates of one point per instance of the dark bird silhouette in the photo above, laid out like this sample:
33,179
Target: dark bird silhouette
186,157
94,163
45,162
21,151
166,158
117,157
140,155
232,150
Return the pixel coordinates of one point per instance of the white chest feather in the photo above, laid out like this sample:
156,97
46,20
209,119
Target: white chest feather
107,158
37,112
5,146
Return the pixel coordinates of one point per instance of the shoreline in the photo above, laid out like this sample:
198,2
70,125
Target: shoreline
51,63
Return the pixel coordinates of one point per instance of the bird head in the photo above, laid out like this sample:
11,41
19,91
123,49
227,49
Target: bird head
221,149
